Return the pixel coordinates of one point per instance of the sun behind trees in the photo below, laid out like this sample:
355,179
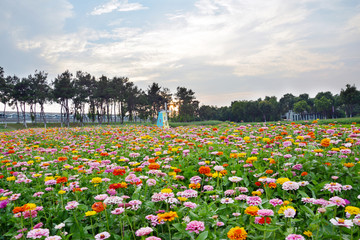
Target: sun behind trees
85,98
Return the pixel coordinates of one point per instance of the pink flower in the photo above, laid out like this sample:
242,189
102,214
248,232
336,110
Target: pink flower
190,205
195,226
143,231
289,213
152,238
289,185
341,222
294,237
220,224
103,235
265,212
118,211
38,233
56,237
71,205
254,201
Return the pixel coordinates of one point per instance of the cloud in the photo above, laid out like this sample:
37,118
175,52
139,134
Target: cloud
218,46
117,5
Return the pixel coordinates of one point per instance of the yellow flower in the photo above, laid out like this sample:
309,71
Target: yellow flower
282,209
166,190
352,210
216,174
308,233
30,206
12,178
257,193
90,213
251,159
30,162
96,180
282,180
61,192
246,138
182,199
266,140
3,198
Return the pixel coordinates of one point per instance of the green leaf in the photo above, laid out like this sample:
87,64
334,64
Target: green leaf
202,236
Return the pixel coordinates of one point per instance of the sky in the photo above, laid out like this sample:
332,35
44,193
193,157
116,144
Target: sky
224,50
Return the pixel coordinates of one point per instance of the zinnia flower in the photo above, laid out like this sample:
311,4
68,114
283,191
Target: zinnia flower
103,235
237,233
195,226
98,207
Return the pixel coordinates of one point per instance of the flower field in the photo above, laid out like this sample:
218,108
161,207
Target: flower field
274,181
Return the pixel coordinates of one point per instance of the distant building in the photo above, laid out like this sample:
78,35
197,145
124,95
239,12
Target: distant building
292,116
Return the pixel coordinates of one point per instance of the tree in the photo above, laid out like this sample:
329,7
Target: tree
350,97
63,92
157,97
287,103
301,107
22,94
42,92
324,103
188,106
5,91
83,92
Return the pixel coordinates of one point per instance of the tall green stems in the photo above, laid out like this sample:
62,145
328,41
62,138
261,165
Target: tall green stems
107,220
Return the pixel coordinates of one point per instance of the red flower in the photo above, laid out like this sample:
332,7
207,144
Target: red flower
117,172
258,184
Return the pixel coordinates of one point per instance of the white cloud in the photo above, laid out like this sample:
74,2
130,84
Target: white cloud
255,38
117,5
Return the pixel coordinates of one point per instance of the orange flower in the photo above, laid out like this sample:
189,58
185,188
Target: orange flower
223,172
194,185
98,207
269,171
167,216
177,170
237,233
328,164
61,159
272,185
252,210
219,153
304,174
325,142
204,170
154,166
61,180
349,165
104,154
18,209
137,169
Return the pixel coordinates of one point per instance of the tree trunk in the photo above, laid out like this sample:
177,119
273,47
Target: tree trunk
5,116
18,113
61,115
23,109
42,114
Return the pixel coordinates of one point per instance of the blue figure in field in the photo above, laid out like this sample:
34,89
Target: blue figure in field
162,120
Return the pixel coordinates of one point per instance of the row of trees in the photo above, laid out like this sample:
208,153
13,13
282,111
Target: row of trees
323,105
111,99
105,98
